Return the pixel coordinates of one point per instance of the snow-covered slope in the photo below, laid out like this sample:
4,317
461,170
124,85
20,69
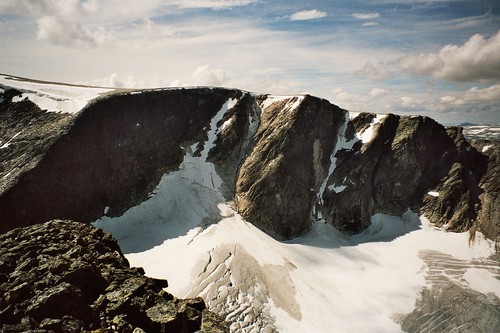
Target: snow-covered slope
53,97
322,281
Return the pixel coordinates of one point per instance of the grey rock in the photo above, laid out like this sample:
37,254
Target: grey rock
83,283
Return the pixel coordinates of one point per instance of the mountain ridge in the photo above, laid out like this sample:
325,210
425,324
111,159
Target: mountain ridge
130,139
213,173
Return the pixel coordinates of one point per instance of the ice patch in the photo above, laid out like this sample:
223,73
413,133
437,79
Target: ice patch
433,194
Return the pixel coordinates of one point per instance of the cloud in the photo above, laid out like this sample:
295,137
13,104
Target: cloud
366,16
370,24
376,92
70,9
408,102
306,15
207,76
66,33
478,59
474,95
374,72
214,4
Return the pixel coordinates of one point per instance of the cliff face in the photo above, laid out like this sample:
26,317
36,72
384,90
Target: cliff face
406,163
112,154
285,161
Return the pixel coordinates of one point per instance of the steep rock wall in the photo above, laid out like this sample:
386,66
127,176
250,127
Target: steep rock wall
408,162
112,155
278,181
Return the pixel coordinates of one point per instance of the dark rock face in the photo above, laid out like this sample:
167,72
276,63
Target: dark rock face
112,155
26,133
278,180
66,276
406,158
488,221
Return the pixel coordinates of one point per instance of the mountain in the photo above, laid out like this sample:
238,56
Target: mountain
286,213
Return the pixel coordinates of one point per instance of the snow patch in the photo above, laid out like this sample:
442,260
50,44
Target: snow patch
52,97
353,115
367,135
486,148
433,194
8,143
483,281
342,143
213,130
292,102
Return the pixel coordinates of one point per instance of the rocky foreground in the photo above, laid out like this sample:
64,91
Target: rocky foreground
63,276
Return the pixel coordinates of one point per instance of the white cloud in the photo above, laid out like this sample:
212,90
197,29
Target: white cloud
490,94
207,76
370,24
348,100
376,92
374,72
308,15
68,8
408,102
63,32
366,16
478,59
214,4
474,95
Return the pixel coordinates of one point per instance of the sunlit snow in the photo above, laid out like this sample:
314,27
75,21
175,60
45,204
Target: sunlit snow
52,97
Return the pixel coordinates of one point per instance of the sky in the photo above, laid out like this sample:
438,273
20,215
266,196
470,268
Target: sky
439,58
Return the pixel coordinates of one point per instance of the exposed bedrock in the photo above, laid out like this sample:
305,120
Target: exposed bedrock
409,162
278,181
64,276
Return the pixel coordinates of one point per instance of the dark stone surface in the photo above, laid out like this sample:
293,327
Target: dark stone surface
407,158
113,154
290,157
67,276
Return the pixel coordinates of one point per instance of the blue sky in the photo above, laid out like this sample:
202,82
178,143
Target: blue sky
435,57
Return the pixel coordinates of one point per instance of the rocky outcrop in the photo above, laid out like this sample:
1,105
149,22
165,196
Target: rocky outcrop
457,200
407,163
278,181
64,276
488,220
